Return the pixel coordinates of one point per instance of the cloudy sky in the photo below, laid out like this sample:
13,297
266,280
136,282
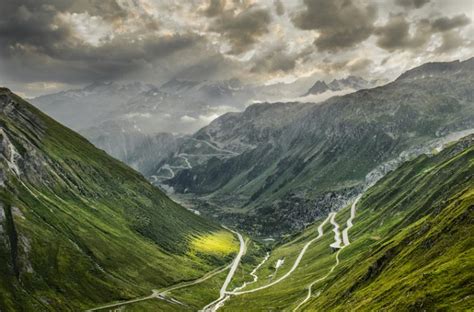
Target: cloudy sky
50,45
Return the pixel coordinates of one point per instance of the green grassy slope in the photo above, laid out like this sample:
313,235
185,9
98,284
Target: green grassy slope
411,246
79,228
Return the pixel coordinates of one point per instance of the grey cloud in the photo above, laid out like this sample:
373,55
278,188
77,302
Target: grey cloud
242,29
451,41
212,67
445,23
279,7
274,61
42,47
277,59
412,3
359,65
395,34
78,63
332,67
341,23
216,7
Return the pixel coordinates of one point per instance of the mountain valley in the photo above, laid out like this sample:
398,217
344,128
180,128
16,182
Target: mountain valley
240,156
276,167
337,210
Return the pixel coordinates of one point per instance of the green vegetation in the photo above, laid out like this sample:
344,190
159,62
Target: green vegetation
199,295
79,228
411,246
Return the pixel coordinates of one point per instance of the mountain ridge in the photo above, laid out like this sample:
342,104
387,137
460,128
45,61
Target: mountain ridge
320,145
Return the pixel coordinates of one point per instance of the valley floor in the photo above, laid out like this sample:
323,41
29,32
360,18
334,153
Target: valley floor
392,248
172,300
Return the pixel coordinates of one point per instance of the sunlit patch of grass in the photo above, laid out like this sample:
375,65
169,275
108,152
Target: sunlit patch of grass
216,243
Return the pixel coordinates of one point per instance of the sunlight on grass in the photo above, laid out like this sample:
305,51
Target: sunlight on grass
220,243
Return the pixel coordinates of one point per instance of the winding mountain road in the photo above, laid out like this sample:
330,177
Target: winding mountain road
161,294
213,306
188,164
119,304
319,280
345,237
215,147
225,295
345,232
295,264
337,233
166,167
254,273
170,169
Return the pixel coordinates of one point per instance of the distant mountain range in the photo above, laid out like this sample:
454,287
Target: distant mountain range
123,118
348,83
276,167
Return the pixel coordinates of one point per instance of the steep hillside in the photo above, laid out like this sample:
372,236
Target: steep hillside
276,167
410,247
78,228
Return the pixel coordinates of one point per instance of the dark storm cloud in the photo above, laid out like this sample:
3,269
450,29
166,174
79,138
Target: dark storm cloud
341,23
36,44
30,25
412,3
242,29
445,23
451,41
215,8
80,63
395,34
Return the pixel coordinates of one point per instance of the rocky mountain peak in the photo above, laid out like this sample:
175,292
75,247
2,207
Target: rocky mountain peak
318,87
350,82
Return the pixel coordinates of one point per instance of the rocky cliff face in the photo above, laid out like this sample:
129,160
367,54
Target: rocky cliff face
277,155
